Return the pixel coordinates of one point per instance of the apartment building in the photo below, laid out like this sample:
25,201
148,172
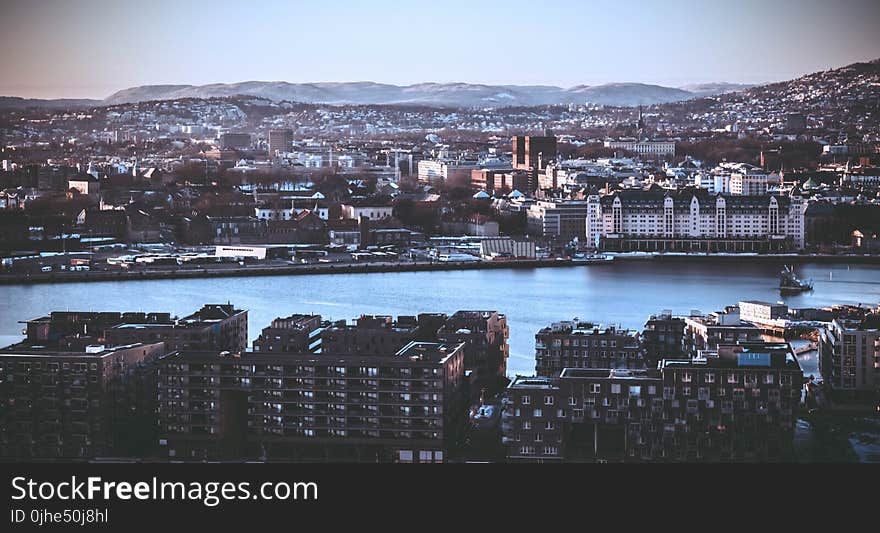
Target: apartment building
849,357
663,337
484,334
77,404
406,406
213,327
706,332
581,344
295,333
736,403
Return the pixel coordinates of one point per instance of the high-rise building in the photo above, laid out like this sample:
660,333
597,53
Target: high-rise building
531,152
280,141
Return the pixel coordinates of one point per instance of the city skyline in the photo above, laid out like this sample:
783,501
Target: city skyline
92,48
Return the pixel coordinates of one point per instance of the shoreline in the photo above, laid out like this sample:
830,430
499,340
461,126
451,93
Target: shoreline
365,268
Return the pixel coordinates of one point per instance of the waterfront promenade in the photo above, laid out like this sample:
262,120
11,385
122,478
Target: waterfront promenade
211,271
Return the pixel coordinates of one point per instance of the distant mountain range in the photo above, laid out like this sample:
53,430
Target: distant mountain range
14,102
428,94
452,95
443,95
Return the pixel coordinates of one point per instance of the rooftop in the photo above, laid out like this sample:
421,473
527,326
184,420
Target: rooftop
757,354
432,351
533,382
96,351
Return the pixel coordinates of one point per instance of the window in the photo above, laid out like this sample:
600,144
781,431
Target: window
548,400
572,401
526,400
550,425
710,377
405,456
425,456
615,388
527,424
595,388
537,413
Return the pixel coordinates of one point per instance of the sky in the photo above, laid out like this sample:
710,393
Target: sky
92,48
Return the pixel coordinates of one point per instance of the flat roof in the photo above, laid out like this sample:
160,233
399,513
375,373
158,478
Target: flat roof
17,350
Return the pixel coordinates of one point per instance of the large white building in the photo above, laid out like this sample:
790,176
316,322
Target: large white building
641,147
694,220
436,171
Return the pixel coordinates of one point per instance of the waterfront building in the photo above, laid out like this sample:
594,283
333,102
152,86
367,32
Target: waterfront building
581,344
762,312
706,332
562,219
663,337
407,406
849,357
77,403
736,403
213,327
369,335
484,334
694,220
505,248
292,334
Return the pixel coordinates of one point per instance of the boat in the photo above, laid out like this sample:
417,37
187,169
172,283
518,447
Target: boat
789,282
591,258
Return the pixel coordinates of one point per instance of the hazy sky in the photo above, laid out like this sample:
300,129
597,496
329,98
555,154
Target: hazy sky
91,48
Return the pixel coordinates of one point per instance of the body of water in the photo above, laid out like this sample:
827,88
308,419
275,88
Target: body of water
624,293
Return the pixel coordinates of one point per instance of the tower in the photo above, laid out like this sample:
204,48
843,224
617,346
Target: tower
640,125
